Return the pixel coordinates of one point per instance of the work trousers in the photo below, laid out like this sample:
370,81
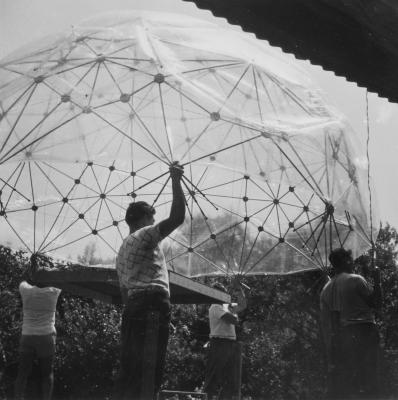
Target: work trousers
355,363
138,313
222,372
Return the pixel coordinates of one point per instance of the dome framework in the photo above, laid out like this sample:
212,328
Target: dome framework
92,119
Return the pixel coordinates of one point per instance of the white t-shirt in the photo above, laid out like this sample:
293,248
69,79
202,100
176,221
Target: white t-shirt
39,306
218,327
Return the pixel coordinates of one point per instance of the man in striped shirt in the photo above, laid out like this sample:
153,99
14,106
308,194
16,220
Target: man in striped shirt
144,283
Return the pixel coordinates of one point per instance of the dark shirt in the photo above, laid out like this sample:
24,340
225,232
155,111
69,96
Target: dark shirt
350,295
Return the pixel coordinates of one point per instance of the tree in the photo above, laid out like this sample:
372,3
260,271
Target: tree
90,258
386,253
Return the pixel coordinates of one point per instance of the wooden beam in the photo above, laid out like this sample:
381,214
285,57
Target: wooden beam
102,284
78,290
81,274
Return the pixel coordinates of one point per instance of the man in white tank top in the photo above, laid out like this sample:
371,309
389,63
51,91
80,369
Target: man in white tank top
38,336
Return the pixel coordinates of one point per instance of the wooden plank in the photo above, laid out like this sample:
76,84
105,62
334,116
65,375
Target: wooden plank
78,290
102,284
189,284
91,274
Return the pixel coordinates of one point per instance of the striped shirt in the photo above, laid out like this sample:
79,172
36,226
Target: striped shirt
140,263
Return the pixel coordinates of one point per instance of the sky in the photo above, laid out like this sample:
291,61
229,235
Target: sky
24,21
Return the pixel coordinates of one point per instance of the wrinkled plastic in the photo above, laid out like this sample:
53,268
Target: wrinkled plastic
92,119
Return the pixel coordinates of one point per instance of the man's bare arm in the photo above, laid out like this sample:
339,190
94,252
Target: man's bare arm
177,211
240,297
241,302
376,298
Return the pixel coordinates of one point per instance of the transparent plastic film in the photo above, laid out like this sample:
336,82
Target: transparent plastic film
91,120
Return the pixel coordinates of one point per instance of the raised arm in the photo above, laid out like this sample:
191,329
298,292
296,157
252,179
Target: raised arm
241,304
177,211
372,296
234,309
377,297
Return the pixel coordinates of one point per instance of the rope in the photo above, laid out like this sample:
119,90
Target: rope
369,186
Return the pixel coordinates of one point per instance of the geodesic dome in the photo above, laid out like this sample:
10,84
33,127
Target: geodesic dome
90,120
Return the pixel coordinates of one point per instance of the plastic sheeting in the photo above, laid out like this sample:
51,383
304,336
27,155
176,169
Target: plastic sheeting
90,120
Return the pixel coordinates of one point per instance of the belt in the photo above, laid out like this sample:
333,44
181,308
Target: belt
145,291
223,338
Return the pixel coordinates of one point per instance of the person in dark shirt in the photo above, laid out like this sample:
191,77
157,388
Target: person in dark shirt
351,337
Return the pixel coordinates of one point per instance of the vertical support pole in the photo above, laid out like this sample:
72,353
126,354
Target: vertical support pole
150,356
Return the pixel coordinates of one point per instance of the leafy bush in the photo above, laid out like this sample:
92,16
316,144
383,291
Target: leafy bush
282,356
87,348
12,266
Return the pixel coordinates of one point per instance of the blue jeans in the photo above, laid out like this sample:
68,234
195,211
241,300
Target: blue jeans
133,339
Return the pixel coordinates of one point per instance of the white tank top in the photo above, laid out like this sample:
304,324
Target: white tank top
39,306
218,327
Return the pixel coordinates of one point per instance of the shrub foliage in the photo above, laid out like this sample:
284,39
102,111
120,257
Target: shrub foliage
282,358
